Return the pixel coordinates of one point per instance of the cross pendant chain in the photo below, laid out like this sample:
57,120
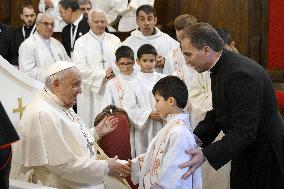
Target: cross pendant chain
102,54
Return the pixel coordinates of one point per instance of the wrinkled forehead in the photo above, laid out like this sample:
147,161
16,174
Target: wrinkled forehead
98,16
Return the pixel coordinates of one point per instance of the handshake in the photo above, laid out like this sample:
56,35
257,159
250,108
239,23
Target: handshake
119,168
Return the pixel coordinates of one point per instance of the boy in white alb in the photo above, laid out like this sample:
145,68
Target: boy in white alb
139,101
159,166
115,87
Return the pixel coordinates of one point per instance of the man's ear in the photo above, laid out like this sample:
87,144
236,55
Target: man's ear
22,17
171,100
137,61
207,50
156,20
232,44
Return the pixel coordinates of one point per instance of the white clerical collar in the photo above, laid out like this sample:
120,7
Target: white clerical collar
78,20
181,116
215,62
52,96
47,41
100,37
125,77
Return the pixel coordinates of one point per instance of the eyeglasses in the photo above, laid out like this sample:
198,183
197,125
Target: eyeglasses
46,24
125,63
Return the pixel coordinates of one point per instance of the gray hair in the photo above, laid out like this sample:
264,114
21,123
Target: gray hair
96,11
60,76
40,16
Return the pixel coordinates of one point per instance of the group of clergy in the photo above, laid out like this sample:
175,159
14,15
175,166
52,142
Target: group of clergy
106,71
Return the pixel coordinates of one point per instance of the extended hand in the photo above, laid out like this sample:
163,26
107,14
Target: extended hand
107,125
196,161
117,169
160,61
155,116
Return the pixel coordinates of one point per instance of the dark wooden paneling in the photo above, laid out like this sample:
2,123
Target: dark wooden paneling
245,19
5,11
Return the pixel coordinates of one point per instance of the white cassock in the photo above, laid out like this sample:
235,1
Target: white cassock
93,54
56,148
139,102
161,41
54,13
127,22
175,64
115,90
36,54
200,99
112,8
159,166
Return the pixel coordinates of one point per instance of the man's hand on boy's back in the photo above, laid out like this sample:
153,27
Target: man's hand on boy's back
155,116
160,61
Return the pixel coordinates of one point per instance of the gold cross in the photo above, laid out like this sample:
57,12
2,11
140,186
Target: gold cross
21,108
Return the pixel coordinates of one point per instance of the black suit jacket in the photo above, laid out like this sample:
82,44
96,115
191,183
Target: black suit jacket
19,39
83,28
7,47
245,109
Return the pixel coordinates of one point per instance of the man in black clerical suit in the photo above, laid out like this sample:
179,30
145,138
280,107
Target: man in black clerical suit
244,108
8,135
77,24
7,47
21,33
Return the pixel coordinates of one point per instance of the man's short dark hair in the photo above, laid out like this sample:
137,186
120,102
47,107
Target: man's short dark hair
203,34
146,49
72,4
124,52
172,86
225,35
29,6
148,9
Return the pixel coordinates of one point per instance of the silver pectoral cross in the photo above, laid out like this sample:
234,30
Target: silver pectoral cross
103,62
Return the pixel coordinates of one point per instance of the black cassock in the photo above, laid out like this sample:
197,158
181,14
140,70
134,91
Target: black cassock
8,135
245,109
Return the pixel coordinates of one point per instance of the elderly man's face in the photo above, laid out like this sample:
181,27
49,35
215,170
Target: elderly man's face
69,88
98,23
28,16
198,59
45,27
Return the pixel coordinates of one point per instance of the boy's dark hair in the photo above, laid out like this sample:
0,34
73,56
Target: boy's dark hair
225,35
146,49
124,52
172,86
148,9
73,4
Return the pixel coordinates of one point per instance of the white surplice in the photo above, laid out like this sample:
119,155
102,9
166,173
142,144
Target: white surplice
127,22
139,102
56,148
115,89
199,97
87,56
159,166
54,13
161,41
36,54
112,8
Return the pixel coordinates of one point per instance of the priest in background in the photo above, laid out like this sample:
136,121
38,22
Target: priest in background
51,7
94,54
8,135
56,148
40,50
77,24
147,33
28,16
